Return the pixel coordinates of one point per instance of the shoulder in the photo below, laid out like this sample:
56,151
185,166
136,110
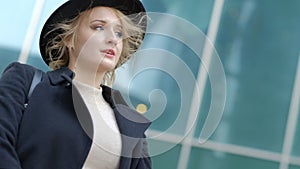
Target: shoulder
17,68
19,65
18,75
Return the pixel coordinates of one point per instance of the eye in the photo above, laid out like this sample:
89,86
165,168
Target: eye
99,28
119,34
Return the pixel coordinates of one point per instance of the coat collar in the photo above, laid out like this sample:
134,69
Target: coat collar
59,76
130,122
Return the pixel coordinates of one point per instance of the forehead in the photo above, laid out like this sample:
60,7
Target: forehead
106,14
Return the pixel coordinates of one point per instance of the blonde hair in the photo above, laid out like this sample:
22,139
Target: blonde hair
58,48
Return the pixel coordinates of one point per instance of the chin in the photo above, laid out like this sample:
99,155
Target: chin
106,68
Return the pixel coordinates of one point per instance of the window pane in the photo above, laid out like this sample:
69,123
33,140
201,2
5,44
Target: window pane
15,18
259,50
294,167
201,158
296,146
167,159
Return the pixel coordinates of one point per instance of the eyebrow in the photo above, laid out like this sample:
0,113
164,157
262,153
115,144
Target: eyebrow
97,20
105,22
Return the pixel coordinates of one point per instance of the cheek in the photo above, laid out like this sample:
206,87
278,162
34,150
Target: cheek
87,53
90,49
87,44
120,47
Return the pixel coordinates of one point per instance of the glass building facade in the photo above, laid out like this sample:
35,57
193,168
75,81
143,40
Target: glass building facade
258,45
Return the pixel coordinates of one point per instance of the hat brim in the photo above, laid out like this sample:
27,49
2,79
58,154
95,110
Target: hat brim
72,8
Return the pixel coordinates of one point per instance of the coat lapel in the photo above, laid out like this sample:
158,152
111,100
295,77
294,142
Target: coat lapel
132,125
130,122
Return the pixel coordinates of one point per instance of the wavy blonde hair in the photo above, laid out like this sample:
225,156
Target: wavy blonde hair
58,47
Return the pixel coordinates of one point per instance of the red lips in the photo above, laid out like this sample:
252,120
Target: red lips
109,53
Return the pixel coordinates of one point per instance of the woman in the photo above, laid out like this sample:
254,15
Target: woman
73,120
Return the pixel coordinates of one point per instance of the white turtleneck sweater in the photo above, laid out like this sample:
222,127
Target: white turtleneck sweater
106,147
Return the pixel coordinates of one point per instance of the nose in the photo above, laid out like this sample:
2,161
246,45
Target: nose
111,38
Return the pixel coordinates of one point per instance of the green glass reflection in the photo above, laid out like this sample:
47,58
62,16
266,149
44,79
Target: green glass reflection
259,49
201,158
197,12
165,160
296,145
37,61
294,167
7,55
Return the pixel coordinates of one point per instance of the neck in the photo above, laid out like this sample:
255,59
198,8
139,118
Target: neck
87,76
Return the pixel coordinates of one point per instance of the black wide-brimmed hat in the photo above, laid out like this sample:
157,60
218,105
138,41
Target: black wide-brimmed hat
72,8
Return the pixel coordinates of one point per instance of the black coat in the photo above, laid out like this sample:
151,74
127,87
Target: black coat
47,134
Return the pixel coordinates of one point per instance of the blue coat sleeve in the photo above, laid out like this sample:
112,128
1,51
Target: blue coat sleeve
14,85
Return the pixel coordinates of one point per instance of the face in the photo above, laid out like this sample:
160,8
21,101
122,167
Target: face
98,43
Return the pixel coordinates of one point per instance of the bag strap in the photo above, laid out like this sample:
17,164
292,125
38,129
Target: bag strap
37,77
